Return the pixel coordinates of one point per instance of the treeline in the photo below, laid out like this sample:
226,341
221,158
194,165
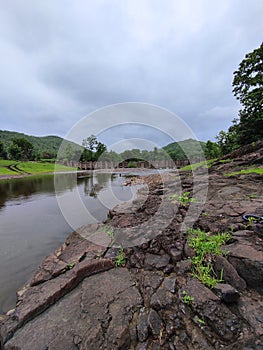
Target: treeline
19,146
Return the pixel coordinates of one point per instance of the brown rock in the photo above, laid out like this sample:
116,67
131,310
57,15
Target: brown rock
227,293
230,274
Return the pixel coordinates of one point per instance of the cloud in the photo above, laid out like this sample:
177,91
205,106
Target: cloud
63,60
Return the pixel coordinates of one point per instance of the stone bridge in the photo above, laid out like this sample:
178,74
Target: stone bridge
161,164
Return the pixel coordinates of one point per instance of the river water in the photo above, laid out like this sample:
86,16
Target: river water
32,225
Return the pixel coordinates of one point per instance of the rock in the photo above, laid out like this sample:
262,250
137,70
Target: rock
98,314
226,293
188,251
249,264
75,248
251,309
161,299
141,307
38,298
222,321
155,323
230,274
170,283
142,325
176,254
153,261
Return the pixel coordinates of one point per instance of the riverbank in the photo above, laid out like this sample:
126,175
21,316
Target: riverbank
15,169
90,294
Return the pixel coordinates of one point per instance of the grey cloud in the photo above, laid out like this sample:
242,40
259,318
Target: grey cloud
63,60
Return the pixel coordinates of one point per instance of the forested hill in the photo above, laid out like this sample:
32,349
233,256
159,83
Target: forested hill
45,145
185,149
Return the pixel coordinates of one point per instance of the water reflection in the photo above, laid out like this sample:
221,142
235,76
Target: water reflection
26,188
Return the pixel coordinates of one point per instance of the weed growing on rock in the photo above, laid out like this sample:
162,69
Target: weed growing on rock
71,265
187,299
110,232
121,258
184,198
251,221
206,247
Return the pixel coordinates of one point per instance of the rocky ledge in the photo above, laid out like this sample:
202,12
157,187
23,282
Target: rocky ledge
82,297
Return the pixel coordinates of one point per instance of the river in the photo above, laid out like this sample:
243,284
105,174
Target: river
32,225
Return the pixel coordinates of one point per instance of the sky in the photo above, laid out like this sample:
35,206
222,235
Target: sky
61,61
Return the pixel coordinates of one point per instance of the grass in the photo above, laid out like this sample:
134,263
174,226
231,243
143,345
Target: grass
246,171
205,163
206,247
30,167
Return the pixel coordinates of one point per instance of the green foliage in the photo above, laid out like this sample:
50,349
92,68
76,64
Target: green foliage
228,141
71,265
187,299
21,149
212,150
187,149
184,198
206,164
121,258
206,247
93,149
3,153
132,164
248,89
44,147
246,171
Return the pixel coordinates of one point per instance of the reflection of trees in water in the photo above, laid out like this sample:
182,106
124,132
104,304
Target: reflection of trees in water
24,188
94,184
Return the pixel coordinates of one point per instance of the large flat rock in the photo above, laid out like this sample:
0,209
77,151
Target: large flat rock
97,314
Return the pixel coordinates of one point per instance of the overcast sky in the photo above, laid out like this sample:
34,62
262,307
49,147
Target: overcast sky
61,60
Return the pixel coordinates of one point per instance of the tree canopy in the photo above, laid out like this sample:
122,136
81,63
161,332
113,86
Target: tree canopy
21,149
248,89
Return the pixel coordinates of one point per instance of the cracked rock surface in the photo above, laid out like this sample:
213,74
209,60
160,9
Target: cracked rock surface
79,299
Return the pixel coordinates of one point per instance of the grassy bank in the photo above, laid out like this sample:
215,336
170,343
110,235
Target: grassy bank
12,167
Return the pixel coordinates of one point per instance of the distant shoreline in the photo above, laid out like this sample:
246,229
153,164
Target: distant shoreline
117,170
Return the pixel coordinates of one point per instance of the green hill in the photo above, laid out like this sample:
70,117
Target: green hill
185,149
44,146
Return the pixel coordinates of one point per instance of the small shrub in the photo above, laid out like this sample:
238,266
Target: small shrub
121,258
206,247
187,299
184,198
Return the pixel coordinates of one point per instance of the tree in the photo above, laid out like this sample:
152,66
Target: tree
93,149
248,89
21,149
212,150
3,153
100,149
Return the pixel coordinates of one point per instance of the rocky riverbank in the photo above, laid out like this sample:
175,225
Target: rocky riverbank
86,296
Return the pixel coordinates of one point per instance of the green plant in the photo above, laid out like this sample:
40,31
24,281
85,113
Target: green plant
206,247
187,299
71,265
132,164
121,258
251,221
110,232
201,321
184,198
